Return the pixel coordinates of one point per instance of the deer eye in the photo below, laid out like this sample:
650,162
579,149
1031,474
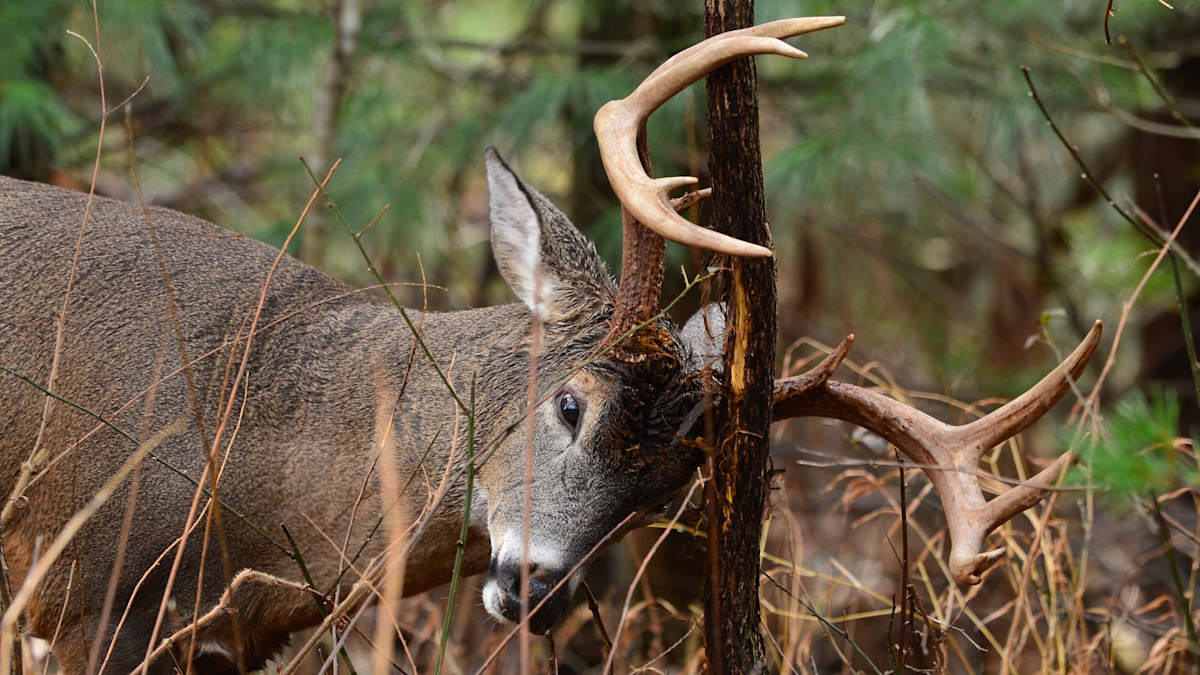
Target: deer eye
569,410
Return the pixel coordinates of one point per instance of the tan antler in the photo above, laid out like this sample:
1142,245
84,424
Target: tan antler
646,201
618,122
948,454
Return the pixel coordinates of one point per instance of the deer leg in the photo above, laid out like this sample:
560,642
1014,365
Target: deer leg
257,614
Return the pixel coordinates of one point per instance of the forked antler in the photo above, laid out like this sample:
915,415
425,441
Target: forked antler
948,454
646,200
617,124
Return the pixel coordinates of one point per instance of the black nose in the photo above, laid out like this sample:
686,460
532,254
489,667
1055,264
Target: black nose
541,581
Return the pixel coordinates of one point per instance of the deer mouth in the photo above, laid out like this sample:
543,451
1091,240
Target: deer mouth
549,594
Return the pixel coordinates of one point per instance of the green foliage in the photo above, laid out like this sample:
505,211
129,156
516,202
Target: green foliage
32,120
903,155
1135,454
915,194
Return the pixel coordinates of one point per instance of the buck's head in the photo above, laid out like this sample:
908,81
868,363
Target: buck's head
610,442
612,438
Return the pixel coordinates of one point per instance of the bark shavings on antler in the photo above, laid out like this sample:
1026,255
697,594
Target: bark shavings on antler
948,454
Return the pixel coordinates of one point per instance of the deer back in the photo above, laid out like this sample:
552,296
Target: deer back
338,422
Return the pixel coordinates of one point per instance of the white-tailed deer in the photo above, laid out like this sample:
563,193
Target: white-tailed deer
317,409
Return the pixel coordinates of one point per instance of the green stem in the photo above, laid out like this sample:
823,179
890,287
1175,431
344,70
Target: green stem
1188,339
463,533
299,558
1162,93
379,278
1176,578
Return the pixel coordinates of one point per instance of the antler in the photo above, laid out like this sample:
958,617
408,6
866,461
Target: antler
617,124
948,454
620,124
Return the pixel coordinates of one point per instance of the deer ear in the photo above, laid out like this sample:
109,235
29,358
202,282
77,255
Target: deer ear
551,267
516,233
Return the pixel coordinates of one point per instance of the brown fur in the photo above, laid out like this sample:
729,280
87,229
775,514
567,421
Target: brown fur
324,363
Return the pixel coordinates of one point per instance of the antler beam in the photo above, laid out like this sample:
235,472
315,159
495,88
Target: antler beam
617,125
948,454
648,213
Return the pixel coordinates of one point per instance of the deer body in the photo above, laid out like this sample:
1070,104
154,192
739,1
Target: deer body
339,423
333,383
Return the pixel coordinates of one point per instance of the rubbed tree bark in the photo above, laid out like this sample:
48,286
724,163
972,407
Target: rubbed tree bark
741,462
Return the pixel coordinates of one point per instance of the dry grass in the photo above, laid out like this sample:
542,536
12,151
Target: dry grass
853,580
1082,587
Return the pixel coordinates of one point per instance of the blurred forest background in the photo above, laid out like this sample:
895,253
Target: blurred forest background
917,196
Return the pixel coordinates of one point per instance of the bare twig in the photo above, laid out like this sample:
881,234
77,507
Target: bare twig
594,608
1155,237
608,663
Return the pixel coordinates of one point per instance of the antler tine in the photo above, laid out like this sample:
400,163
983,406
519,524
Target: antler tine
948,454
1020,413
617,124
788,390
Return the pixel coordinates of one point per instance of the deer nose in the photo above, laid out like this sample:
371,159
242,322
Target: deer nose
502,594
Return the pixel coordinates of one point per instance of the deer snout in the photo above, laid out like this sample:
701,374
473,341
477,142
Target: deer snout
502,593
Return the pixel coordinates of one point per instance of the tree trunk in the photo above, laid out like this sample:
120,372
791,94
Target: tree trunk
741,462
347,22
